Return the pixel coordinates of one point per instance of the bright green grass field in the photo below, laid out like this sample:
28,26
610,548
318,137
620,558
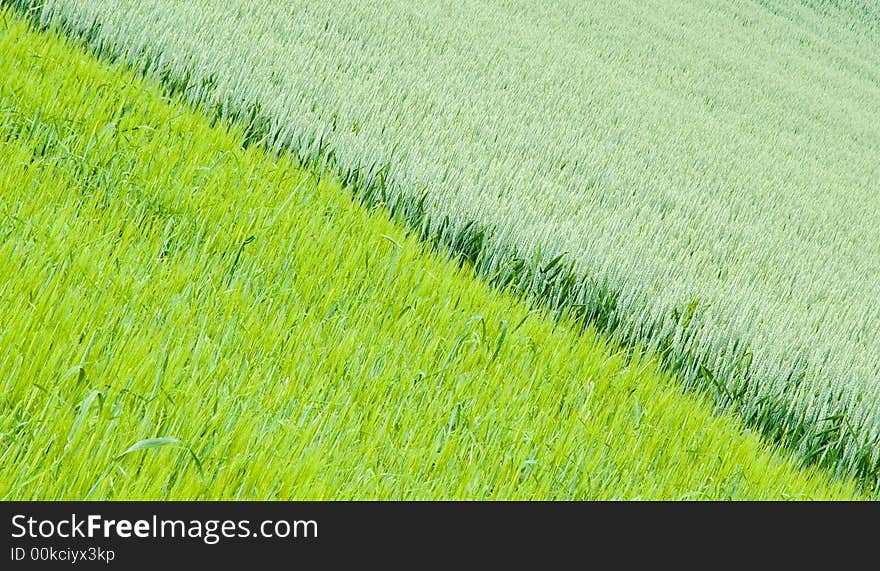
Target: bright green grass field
157,281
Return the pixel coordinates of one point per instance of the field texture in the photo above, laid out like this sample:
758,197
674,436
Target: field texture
708,172
181,317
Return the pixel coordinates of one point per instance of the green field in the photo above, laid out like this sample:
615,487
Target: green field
182,317
696,177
